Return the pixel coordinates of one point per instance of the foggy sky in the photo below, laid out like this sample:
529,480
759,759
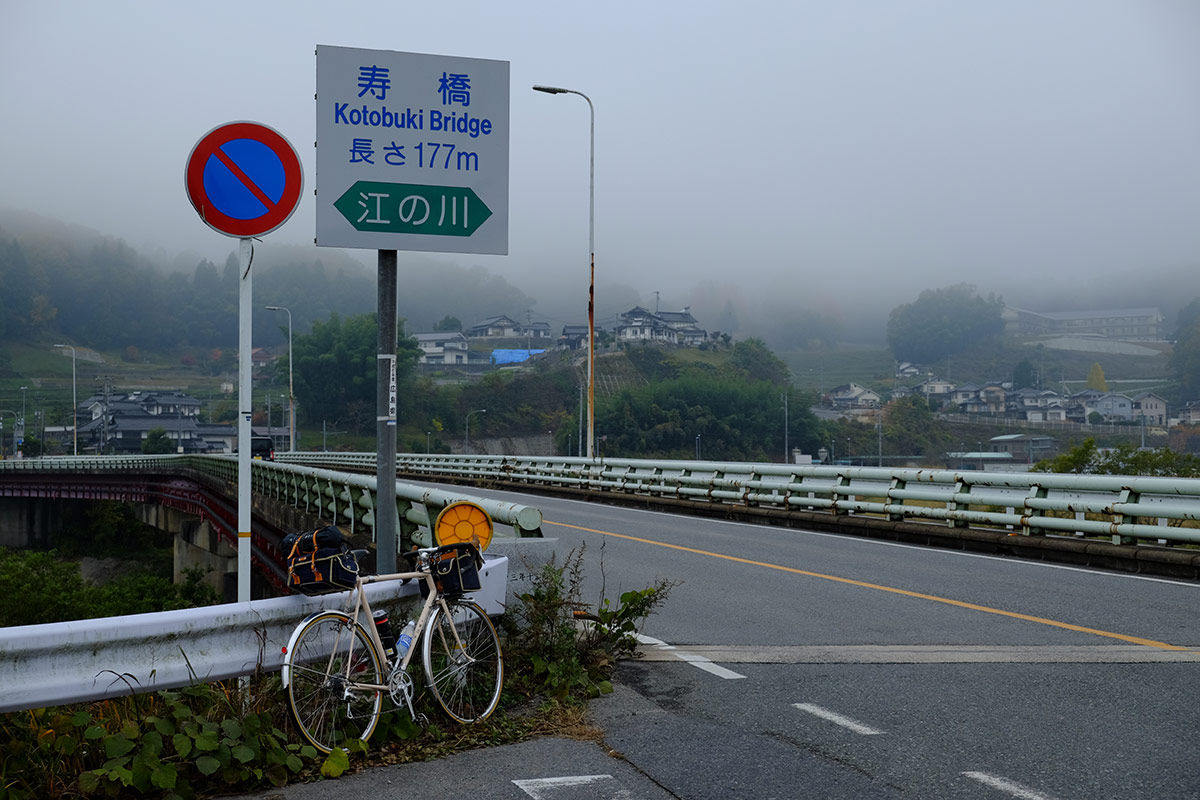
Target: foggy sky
822,151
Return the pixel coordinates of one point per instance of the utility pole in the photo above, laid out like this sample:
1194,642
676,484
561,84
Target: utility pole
786,458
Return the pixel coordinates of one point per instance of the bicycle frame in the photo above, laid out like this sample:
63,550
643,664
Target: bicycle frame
363,604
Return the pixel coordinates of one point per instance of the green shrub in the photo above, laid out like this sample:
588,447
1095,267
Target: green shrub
548,652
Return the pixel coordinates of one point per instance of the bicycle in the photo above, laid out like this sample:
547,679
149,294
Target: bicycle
336,668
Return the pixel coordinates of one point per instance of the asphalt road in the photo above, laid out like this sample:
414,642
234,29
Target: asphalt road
790,664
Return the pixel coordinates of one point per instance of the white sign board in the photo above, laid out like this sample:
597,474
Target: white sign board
412,151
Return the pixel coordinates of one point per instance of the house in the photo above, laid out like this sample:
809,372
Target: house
851,395
907,369
1054,411
667,327
964,393
1025,447
1190,415
121,422
935,390
499,327
1111,406
446,347
573,337
537,330
1035,405
1150,408
687,329
638,324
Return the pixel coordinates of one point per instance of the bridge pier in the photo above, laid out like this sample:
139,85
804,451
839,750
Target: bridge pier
28,522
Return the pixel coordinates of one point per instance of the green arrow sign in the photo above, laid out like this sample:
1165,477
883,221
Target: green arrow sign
411,208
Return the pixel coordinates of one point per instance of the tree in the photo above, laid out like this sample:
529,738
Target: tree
336,366
1095,378
448,324
941,322
910,428
1185,356
1126,459
755,359
158,442
1024,376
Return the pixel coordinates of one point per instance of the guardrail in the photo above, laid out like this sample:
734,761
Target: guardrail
1127,508
94,659
347,499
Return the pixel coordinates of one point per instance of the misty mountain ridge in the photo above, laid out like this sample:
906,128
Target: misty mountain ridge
316,282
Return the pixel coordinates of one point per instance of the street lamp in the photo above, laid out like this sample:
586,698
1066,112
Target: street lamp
23,388
427,435
74,403
467,433
291,393
591,431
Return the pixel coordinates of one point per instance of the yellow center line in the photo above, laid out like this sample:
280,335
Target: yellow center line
948,601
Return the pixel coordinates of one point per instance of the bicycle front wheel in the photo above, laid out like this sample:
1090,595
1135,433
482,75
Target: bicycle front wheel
462,659
331,665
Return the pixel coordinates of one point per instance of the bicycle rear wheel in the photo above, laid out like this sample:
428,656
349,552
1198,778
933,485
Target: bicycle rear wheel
462,659
330,661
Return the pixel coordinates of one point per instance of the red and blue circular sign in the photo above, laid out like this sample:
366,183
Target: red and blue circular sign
244,179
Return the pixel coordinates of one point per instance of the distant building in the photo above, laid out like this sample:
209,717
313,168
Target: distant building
1024,447
445,347
668,327
494,327
1150,408
1121,324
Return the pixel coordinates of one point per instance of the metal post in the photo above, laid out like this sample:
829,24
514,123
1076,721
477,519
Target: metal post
386,521
245,406
786,454
592,248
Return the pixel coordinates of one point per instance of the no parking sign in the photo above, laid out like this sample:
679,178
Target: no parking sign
244,179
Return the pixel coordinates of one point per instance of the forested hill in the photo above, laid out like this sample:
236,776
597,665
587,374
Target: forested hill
80,286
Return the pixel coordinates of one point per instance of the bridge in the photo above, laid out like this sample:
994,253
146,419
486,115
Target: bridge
1131,524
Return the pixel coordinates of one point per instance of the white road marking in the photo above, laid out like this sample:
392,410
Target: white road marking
837,719
543,788
699,662
1007,786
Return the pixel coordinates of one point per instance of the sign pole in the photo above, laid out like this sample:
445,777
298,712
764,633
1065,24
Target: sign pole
386,521
245,406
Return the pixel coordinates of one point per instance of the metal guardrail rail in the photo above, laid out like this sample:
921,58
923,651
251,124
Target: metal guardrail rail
1127,508
94,659
344,498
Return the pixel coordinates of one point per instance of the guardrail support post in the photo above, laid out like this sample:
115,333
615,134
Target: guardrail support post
897,483
959,487
1127,496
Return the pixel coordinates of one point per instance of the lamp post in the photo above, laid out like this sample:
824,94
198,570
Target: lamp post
291,393
22,420
786,455
74,403
467,432
427,435
591,410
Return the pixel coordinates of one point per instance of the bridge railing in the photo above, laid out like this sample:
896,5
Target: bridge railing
1126,508
346,498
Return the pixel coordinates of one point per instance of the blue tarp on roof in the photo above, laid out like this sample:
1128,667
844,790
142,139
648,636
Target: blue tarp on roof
513,356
